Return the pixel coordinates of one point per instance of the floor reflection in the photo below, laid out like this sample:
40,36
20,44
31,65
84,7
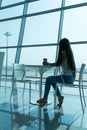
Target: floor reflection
51,124
18,114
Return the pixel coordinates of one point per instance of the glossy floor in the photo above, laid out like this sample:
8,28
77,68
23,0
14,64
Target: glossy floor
18,114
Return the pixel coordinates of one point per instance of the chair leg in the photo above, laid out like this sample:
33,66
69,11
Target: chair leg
83,96
23,89
29,91
13,84
81,100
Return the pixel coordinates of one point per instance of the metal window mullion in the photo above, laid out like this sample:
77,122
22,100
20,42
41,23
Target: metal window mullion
0,3
18,52
59,32
60,26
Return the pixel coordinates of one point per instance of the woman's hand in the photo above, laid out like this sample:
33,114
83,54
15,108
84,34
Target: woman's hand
45,63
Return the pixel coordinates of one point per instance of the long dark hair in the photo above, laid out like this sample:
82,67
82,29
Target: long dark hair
64,45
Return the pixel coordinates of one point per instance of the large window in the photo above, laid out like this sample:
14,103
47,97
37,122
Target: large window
8,2
74,24
43,5
11,12
41,29
80,52
13,27
72,2
35,25
35,55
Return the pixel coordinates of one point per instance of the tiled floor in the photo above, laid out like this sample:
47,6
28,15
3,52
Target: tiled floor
20,115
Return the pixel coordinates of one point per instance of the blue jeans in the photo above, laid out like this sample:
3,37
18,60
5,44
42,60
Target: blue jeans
52,80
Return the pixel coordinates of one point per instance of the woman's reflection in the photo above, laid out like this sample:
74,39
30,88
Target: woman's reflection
54,123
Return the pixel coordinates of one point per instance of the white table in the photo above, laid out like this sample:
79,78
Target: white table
41,69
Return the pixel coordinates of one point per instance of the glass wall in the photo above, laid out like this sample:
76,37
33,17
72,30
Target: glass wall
43,5
74,24
42,29
73,2
7,2
34,27
35,55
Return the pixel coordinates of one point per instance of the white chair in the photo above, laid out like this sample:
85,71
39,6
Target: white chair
77,84
19,76
1,64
